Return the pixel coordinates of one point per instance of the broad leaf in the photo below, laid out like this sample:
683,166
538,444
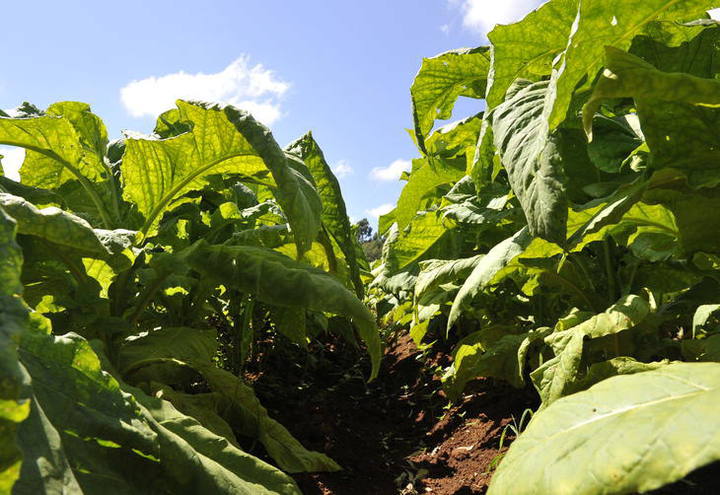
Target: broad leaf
334,214
486,270
614,23
223,140
281,281
441,80
628,432
526,49
533,159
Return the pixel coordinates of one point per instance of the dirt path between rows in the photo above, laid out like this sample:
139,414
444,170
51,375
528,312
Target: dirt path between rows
395,435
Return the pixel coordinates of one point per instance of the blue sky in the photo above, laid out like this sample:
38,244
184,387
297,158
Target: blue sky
339,68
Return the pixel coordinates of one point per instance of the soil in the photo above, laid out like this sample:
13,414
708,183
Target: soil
396,435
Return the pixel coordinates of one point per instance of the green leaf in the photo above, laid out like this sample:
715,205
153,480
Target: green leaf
334,214
526,49
486,270
613,367
707,349
635,422
555,377
533,159
252,419
291,323
87,432
441,80
65,144
278,280
14,403
472,361
65,229
434,273
603,23
419,192
677,111
223,140
427,236
165,345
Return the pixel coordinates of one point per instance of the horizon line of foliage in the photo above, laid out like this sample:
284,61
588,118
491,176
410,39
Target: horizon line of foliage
567,237
122,264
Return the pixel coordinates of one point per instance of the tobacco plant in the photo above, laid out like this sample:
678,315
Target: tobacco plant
120,261
568,237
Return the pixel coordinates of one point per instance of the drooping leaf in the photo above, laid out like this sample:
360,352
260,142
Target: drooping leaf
165,345
334,214
600,24
281,281
65,229
494,261
253,419
434,273
626,432
498,361
87,430
223,140
526,49
533,159
441,80
556,377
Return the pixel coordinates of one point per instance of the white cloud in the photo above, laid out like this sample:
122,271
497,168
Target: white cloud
12,160
380,210
342,169
445,28
483,15
392,171
253,88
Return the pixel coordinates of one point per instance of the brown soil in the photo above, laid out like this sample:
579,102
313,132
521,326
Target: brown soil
395,435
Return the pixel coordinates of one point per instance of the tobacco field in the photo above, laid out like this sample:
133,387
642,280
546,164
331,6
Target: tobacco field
192,312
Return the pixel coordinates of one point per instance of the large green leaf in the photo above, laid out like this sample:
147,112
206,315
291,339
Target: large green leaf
675,112
278,280
223,140
65,229
526,49
421,187
533,159
427,236
486,270
334,214
629,433
177,345
87,432
66,143
441,80
555,377
434,273
602,23
252,419
499,360
14,403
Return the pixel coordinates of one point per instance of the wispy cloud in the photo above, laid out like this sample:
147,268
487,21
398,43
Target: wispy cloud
253,88
483,15
11,161
377,212
392,171
342,169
